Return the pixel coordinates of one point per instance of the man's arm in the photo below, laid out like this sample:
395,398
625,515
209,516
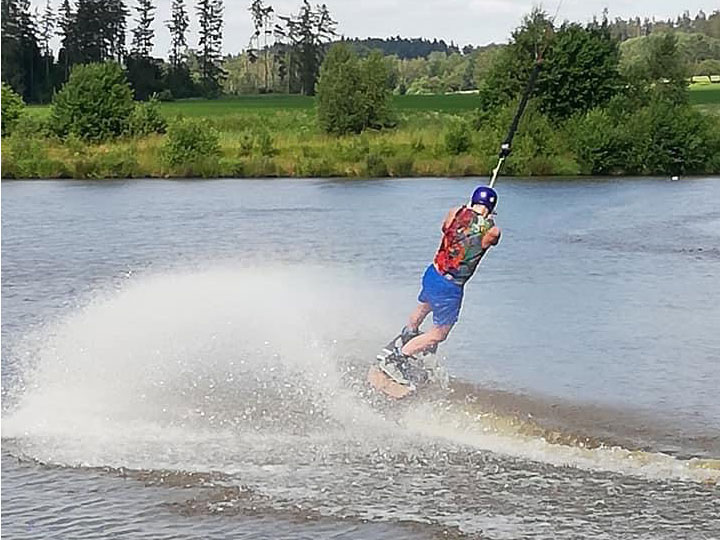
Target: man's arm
491,238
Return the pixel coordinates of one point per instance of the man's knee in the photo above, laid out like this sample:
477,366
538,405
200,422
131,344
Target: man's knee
439,333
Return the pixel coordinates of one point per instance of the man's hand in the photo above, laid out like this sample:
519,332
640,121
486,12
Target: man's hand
491,238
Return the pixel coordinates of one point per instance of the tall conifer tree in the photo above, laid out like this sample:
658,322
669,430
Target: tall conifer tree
178,25
143,33
210,14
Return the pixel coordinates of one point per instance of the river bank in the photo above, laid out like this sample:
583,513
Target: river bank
434,136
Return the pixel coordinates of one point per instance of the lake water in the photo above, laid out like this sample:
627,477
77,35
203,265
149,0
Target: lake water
185,359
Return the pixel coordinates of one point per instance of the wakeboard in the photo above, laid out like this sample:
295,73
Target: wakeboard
414,373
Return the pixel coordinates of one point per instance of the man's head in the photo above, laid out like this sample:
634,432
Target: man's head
485,197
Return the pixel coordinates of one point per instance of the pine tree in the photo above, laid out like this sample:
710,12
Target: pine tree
178,25
46,28
21,57
143,33
210,43
261,16
305,35
143,71
65,25
116,14
99,30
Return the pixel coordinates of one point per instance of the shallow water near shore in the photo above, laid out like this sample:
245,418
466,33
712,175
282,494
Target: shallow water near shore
185,359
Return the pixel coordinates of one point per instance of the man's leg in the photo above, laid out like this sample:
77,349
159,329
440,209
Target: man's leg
426,341
418,316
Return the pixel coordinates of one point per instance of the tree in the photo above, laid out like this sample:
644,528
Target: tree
580,67
99,31
708,67
375,88
21,56
339,99
144,72
261,16
581,70
305,36
145,75
143,33
511,67
65,24
12,109
210,18
352,95
46,29
660,71
178,79
178,25
95,104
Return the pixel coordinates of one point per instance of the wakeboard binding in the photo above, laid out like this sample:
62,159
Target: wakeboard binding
396,374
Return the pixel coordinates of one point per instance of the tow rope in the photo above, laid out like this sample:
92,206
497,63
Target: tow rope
506,146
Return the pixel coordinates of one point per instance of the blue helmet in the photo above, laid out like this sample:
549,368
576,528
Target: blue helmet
486,196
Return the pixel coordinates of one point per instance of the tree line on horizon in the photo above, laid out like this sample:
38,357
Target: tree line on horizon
283,55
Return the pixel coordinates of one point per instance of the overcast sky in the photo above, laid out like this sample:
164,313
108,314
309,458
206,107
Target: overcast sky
476,22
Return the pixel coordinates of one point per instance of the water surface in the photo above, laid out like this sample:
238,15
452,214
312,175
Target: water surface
185,358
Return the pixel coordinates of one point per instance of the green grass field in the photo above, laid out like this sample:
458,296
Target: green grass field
705,96
268,103
229,105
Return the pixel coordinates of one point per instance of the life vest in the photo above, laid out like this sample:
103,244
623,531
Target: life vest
461,248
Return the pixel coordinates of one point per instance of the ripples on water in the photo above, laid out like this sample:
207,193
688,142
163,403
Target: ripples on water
227,399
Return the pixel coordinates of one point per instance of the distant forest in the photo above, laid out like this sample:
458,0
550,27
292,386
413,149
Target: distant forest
283,53
404,48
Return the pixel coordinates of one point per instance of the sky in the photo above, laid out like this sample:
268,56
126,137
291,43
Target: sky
476,22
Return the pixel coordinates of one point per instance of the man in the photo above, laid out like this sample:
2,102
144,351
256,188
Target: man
468,233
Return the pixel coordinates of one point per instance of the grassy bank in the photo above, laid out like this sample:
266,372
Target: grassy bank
278,136
257,144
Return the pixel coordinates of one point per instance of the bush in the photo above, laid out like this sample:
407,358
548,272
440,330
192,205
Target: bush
191,141
13,108
95,104
353,95
458,137
31,126
265,144
146,118
599,142
673,139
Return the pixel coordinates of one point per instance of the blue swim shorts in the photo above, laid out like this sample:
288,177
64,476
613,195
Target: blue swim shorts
444,297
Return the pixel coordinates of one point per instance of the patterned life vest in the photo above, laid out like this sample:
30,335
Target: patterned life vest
461,248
